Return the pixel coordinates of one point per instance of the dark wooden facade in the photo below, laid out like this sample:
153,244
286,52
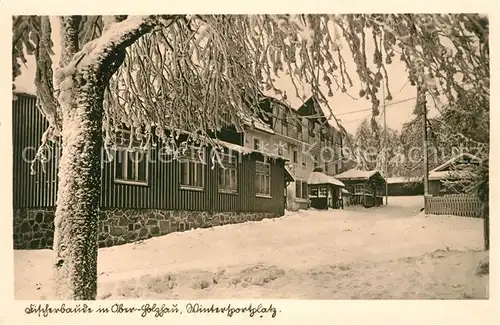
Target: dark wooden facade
324,191
455,170
405,189
436,187
324,196
162,191
40,188
367,195
367,191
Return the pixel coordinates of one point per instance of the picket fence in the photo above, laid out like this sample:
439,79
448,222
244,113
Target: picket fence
461,205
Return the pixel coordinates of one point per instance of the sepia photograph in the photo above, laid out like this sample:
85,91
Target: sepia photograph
251,156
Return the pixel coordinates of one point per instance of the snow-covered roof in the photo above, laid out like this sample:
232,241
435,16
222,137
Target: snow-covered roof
441,175
249,118
255,123
22,92
246,150
237,148
316,178
402,180
234,147
288,175
278,101
453,160
332,121
356,174
25,83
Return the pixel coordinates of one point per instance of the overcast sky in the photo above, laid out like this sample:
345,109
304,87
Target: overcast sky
344,107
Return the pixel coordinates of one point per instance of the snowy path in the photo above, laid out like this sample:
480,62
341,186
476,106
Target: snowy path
296,244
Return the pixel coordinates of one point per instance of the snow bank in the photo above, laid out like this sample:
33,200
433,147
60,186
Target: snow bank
296,243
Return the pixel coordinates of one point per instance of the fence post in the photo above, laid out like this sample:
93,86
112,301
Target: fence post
486,225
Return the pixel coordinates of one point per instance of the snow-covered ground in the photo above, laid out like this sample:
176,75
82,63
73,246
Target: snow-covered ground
379,253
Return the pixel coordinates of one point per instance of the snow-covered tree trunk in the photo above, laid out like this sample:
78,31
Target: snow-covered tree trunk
77,213
82,79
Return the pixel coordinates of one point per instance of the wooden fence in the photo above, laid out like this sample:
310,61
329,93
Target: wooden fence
454,204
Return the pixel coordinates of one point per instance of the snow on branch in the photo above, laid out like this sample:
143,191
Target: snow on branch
204,72
117,37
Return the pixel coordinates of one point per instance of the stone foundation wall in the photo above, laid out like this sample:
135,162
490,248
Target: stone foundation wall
34,228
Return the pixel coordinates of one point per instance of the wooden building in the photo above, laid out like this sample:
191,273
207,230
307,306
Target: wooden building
405,186
453,170
447,188
367,187
346,198
148,192
304,136
324,191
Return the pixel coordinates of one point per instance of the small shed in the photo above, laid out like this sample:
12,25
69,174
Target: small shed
366,186
453,170
405,186
324,191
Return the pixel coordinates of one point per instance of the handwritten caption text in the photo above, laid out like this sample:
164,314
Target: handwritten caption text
152,310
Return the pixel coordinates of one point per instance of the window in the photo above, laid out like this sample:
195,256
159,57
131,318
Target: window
285,124
304,160
192,161
316,161
311,128
256,144
295,156
304,190
262,179
326,168
313,192
322,191
359,188
131,165
228,173
299,131
301,189
323,138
